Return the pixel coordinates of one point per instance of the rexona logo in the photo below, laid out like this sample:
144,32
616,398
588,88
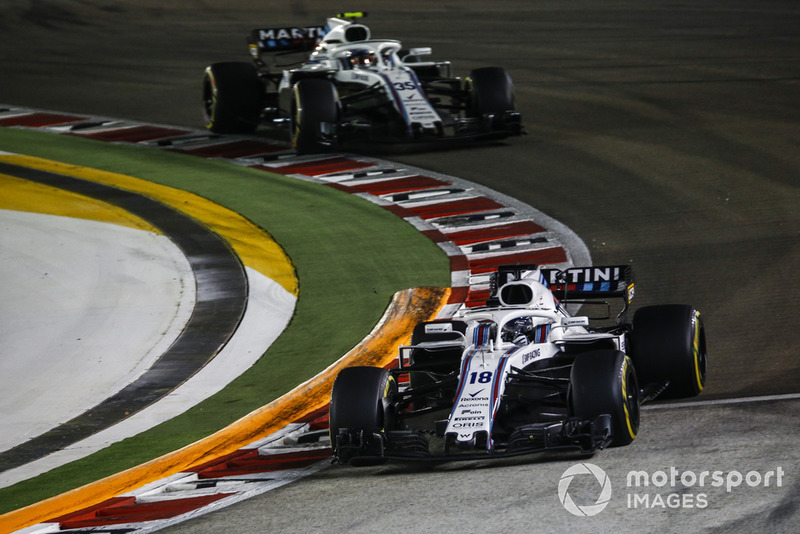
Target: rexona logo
603,489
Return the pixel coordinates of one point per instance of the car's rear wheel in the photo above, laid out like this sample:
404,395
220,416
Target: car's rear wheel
669,343
361,403
315,111
233,96
491,92
604,382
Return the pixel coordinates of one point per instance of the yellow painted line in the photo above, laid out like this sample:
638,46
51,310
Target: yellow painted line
696,351
379,348
18,194
254,246
631,431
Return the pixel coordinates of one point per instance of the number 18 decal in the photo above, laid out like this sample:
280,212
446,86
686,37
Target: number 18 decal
481,378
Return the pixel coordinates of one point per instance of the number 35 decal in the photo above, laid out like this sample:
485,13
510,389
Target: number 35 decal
405,86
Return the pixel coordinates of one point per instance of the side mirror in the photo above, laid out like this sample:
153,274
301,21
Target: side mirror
425,51
574,321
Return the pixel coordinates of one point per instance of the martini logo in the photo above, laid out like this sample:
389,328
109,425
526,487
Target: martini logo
601,486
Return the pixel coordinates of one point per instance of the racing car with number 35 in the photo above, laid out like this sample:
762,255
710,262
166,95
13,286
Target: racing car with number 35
354,88
521,374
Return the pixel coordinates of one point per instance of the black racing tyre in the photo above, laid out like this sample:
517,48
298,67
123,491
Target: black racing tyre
316,101
604,382
361,400
233,97
668,342
491,91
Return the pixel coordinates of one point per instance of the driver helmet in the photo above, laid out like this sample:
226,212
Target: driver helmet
361,58
518,331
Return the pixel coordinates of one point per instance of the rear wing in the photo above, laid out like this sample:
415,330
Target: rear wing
285,39
591,282
302,38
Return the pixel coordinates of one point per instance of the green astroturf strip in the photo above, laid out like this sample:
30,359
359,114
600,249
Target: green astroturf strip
351,257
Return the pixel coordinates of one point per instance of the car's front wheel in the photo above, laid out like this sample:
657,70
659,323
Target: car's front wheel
491,92
315,112
604,382
361,407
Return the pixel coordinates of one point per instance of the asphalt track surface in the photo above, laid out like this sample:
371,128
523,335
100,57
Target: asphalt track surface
664,134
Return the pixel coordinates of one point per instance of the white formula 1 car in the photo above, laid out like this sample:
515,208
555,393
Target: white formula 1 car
521,374
354,88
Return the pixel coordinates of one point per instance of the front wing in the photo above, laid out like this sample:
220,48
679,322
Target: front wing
583,437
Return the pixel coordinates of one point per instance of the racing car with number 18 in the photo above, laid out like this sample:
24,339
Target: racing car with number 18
521,374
